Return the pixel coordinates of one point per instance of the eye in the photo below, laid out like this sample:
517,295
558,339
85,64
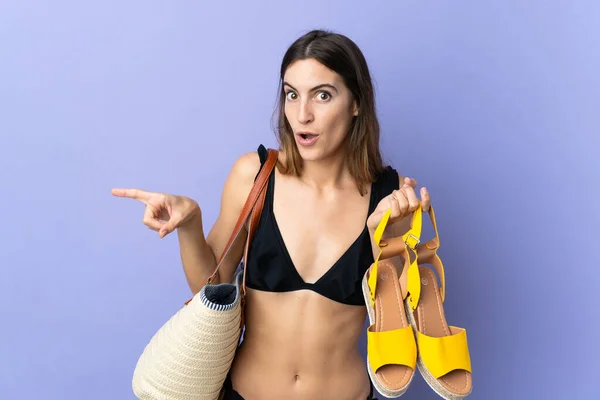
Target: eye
323,96
291,95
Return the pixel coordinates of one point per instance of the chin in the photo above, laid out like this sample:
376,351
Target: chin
313,153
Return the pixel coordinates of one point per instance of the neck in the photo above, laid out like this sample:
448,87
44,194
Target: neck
327,173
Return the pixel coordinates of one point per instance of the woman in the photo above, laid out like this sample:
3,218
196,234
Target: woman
304,307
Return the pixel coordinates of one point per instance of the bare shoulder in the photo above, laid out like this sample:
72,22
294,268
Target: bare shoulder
246,166
242,175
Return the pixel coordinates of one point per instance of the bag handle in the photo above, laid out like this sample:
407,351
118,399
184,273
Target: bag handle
253,207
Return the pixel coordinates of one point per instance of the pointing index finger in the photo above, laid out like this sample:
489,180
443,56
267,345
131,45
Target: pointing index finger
137,194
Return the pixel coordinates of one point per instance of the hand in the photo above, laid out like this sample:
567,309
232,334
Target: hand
402,202
164,212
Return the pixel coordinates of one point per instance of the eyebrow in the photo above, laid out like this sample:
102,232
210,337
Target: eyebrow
323,85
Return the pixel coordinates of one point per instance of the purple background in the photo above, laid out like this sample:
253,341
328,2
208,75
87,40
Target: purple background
493,105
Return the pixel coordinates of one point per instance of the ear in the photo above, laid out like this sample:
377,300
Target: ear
354,108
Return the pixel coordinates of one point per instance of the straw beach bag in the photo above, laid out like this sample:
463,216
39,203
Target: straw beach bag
191,354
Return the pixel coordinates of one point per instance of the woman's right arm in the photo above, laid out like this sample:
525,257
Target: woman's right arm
199,255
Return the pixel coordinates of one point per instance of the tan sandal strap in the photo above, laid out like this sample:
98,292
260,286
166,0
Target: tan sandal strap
427,254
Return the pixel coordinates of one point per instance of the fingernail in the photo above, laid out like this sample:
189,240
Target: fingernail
405,185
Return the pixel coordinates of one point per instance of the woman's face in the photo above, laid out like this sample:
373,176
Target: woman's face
319,108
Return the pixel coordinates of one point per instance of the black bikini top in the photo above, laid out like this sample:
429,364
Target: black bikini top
271,269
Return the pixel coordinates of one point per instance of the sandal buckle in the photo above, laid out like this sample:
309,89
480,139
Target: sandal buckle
417,241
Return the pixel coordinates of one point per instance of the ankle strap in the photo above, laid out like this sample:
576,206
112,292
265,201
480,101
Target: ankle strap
427,254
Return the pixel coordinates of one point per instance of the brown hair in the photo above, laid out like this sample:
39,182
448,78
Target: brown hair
340,54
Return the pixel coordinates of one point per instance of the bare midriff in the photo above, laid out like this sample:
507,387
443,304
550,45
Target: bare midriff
300,346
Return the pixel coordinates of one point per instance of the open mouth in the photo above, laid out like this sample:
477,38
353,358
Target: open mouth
307,138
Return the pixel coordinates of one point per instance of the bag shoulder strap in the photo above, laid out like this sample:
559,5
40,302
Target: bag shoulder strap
253,206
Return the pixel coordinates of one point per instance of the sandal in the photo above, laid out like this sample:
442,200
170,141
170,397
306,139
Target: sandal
391,344
443,353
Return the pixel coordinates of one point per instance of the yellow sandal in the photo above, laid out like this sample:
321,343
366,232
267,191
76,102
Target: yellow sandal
443,355
391,344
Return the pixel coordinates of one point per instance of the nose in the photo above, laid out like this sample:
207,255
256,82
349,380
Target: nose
305,114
